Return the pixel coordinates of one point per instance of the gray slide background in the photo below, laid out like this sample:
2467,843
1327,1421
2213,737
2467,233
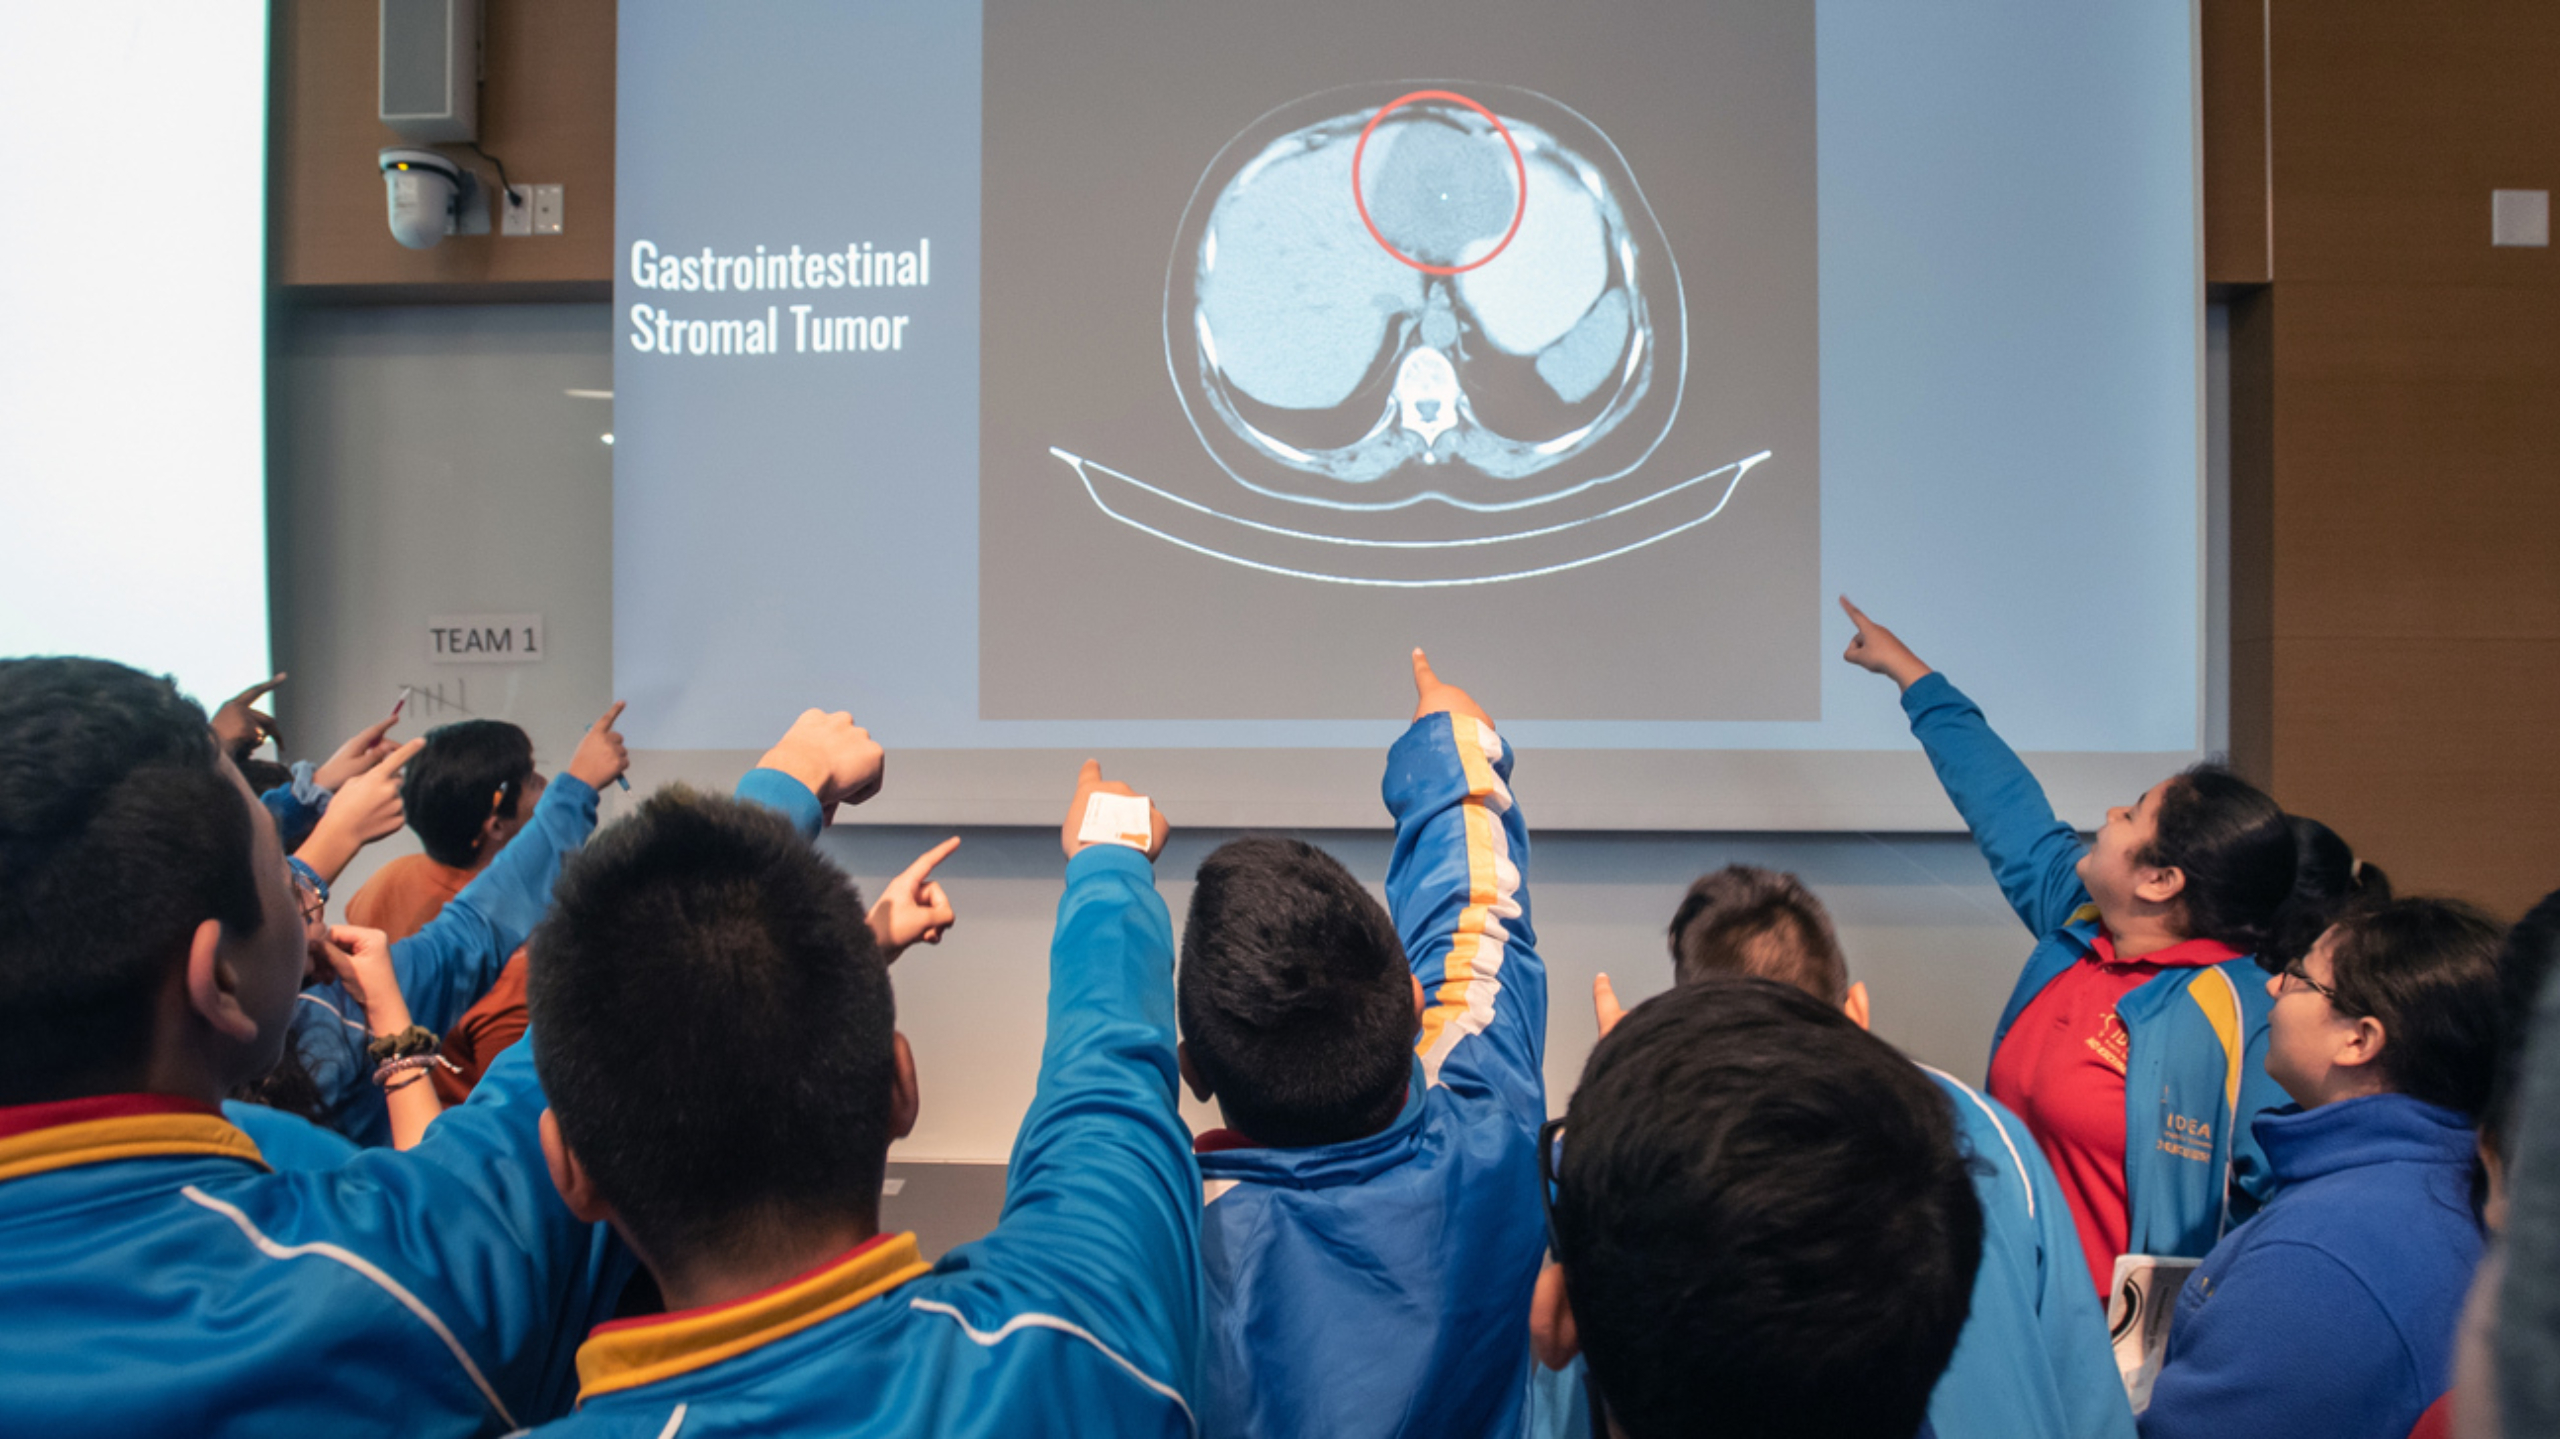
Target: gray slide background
1100,118
795,519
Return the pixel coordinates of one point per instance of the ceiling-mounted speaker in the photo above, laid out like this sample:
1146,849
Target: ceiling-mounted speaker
431,70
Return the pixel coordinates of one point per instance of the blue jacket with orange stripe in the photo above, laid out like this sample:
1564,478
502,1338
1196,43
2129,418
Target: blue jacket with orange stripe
1079,1314
1381,1286
2195,1069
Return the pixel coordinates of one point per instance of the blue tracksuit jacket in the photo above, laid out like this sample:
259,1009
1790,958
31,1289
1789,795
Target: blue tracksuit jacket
157,1278
1079,1314
1381,1286
2332,1313
2196,1068
289,1141
446,967
2033,1362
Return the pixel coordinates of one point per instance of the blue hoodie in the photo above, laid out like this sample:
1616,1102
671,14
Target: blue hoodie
2331,1315
1380,1286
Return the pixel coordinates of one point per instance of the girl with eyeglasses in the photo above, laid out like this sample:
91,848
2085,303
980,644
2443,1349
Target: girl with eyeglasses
2333,1311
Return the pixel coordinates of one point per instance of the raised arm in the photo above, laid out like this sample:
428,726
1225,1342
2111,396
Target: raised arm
2032,853
1102,1202
446,967
1457,887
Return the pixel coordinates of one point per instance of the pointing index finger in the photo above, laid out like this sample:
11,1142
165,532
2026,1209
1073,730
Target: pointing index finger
407,751
926,862
615,713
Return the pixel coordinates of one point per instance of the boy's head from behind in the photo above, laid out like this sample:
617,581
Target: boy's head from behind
474,779
1298,1011
714,1029
124,833
1745,920
1763,1222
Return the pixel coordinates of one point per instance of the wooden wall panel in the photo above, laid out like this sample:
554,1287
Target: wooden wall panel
546,108
2393,124
2411,495
2233,80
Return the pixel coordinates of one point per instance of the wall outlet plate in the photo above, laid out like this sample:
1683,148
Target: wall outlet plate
515,212
547,204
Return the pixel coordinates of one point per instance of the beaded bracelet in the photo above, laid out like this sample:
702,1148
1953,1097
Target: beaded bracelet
411,1064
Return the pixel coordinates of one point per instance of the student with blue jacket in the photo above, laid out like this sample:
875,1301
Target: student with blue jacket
1371,1231
714,1024
2034,1361
445,967
2132,1044
157,1274
2333,1312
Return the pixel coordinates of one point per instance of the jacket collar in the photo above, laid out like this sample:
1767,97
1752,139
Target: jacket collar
38,1138
1323,1166
2186,954
628,1353
2353,1133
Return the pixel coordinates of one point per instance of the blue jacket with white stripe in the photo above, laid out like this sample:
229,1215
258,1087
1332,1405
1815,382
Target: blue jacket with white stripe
1381,1286
1079,1314
157,1278
2034,1360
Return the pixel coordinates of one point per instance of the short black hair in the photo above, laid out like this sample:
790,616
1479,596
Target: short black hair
2525,963
121,831
2428,970
1743,919
2235,846
1766,1219
1295,998
469,770
713,1024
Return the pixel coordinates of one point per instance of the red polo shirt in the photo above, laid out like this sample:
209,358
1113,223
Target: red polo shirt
2062,1068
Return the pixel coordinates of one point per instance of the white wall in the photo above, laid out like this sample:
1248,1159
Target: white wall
428,461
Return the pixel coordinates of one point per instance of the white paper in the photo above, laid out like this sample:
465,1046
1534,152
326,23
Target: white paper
1117,819
2145,1297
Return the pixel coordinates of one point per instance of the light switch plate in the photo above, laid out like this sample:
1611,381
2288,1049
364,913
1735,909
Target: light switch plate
547,203
515,212
2520,217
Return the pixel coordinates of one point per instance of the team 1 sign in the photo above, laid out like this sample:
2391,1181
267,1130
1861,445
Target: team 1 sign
486,639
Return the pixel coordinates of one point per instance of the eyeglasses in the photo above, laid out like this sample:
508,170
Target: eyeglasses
2294,973
313,905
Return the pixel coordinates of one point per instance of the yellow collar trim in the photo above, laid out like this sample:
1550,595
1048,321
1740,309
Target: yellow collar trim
130,1136
646,1352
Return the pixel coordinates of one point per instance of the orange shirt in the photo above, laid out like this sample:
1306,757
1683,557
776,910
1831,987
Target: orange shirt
406,893
399,900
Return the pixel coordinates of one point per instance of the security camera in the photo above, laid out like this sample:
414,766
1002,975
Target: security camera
431,197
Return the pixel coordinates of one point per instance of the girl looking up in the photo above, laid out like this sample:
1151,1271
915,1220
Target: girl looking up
2133,1043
